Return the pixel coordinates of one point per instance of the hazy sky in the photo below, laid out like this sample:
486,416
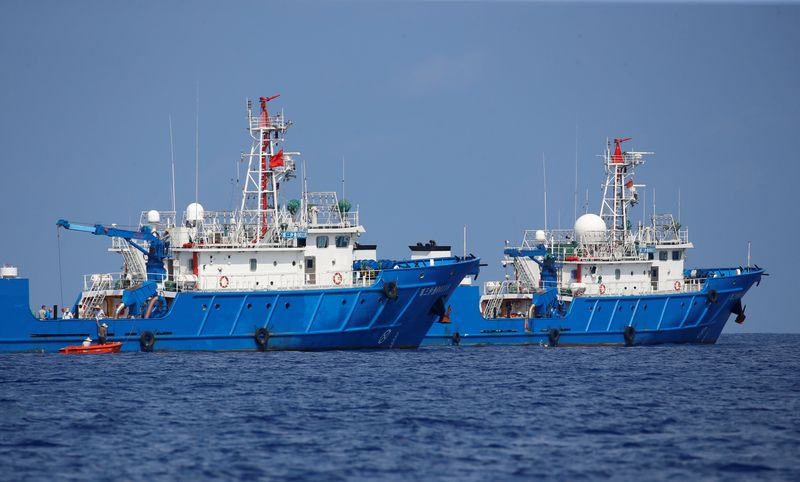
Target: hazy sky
442,111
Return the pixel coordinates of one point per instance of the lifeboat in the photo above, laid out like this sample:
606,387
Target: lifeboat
83,350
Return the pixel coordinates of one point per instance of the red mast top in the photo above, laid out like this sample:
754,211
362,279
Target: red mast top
617,159
264,113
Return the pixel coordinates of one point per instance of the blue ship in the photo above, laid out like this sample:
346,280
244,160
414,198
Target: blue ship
601,283
268,276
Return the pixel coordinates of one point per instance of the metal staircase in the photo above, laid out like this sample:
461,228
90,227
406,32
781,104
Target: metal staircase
97,293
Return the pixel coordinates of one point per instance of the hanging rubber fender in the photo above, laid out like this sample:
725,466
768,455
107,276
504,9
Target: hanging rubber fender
554,336
602,289
223,281
337,278
712,296
738,310
262,338
677,285
629,333
438,307
147,341
390,290
456,339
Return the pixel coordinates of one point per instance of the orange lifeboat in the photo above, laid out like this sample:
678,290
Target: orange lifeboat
83,350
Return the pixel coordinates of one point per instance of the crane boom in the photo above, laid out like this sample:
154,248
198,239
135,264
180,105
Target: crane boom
156,252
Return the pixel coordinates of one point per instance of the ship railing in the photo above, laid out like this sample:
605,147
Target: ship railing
283,282
629,288
495,288
167,219
276,121
115,281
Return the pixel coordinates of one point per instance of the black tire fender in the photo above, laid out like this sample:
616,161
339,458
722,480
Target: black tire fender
629,333
147,341
261,338
390,290
712,296
554,336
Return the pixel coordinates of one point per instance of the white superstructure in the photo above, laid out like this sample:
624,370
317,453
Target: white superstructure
267,243
602,255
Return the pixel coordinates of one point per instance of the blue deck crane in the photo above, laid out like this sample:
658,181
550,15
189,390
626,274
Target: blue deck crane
156,253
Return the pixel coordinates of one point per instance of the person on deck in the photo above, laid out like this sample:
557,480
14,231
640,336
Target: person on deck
43,313
102,332
102,328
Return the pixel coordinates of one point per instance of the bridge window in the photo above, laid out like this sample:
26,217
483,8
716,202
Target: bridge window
342,241
676,256
617,274
253,264
662,255
322,241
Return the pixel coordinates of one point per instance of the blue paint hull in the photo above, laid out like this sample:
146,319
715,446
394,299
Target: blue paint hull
696,317
333,319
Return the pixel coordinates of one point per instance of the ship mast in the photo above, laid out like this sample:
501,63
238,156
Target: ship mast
619,193
267,166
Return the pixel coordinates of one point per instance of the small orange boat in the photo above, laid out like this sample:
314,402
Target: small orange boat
83,350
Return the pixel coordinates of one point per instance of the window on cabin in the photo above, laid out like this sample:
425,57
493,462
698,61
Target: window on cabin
322,241
676,256
573,274
617,274
663,255
253,264
650,256
342,241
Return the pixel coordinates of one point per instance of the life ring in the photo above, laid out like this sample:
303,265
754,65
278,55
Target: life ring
629,333
337,278
147,341
602,289
554,336
677,285
262,338
223,281
390,290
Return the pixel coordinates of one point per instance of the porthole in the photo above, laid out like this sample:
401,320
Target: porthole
216,306
344,302
249,306
362,301
274,263
287,305
204,307
421,275
294,263
645,307
269,305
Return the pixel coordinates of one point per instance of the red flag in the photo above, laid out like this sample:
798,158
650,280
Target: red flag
276,160
629,184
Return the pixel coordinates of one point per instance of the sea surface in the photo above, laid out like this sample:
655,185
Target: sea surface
726,411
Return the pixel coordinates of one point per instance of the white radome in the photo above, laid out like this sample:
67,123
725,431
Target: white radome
540,235
153,217
590,229
194,212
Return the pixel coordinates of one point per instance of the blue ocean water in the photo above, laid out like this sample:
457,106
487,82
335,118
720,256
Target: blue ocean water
726,411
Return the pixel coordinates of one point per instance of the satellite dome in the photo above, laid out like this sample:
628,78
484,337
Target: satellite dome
194,212
153,217
590,229
540,236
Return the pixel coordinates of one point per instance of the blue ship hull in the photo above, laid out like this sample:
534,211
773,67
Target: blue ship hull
694,317
333,319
